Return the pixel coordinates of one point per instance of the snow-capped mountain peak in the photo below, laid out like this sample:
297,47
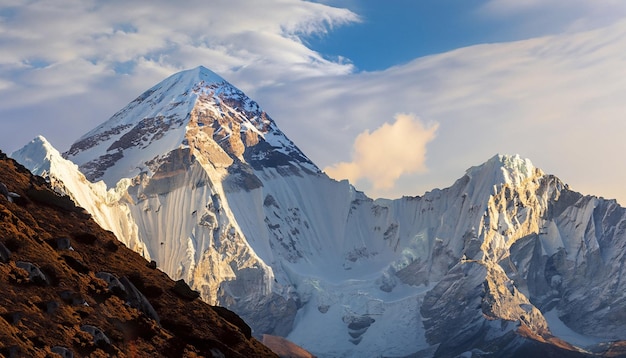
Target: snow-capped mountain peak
504,169
170,97
194,109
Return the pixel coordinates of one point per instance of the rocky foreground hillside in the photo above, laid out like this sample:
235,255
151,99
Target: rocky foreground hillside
71,289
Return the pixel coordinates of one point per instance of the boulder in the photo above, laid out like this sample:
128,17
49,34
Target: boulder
4,191
5,254
11,196
99,338
61,243
62,351
115,286
182,289
72,298
12,317
34,273
137,300
49,307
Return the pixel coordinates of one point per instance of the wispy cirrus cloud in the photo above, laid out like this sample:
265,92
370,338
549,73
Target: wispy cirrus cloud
557,100
537,17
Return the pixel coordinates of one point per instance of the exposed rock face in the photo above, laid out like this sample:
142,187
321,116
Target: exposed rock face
84,312
207,134
202,182
137,300
274,314
572,263
543,247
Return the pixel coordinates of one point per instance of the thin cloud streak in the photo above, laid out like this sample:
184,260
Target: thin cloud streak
536,17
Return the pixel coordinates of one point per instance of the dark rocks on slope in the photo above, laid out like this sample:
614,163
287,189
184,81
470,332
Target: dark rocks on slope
114,285
232,317
12,317
4,191
182,289
62,351
51,198
60,243
72,298
34,273
98,336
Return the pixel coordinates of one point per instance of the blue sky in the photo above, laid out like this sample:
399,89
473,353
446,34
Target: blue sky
448,83
396,32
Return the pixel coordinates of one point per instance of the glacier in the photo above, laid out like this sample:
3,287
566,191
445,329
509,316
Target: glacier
194,175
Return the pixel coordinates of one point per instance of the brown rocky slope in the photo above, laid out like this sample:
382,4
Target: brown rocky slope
70,288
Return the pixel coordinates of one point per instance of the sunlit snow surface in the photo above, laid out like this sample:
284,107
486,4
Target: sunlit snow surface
42,159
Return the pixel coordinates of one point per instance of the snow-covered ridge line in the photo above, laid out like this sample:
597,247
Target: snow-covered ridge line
41,158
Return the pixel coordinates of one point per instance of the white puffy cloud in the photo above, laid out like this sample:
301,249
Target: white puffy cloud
387,153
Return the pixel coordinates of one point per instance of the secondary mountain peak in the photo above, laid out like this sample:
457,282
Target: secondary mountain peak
504,169
194,110
42,158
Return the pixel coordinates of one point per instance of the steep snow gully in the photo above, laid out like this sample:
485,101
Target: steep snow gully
196,176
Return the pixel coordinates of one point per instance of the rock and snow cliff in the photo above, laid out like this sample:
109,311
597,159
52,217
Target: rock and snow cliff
202,181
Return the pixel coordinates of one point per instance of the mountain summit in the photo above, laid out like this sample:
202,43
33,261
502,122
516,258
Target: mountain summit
191,109
504,169
502,262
